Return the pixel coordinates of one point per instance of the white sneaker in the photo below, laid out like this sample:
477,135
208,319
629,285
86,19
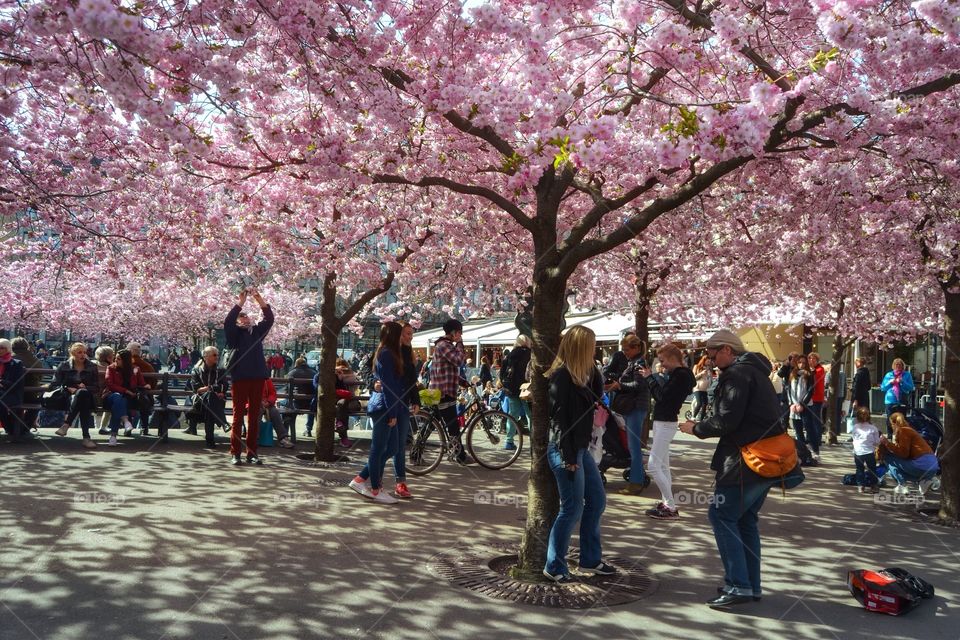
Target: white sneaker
286,444
901,490
816,457
363,488
127,428
385,498
924,486
113,441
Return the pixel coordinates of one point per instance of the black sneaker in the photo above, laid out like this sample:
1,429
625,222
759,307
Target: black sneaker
663,512
254,460
602,569
236,461
559,578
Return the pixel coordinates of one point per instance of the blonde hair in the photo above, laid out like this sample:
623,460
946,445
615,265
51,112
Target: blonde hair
576,355
893,365
899,421
633,341
75,347
670,351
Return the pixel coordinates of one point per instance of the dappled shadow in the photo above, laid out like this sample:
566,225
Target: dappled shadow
173,542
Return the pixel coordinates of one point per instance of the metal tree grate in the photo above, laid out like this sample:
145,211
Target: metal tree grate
485,571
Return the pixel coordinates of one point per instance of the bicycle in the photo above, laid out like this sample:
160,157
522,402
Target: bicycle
484,433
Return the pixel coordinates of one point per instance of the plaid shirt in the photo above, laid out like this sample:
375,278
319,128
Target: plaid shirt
445,370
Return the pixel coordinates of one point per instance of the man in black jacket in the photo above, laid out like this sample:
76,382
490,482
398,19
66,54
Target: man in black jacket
861,385
746,409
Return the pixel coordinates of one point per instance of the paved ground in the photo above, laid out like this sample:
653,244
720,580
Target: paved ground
169,541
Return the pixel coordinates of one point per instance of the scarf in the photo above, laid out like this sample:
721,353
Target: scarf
896,386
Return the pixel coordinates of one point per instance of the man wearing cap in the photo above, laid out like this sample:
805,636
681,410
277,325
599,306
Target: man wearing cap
746,409
248,371
448,357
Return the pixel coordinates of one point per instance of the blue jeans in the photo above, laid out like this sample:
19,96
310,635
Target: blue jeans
399,458
117,404
923,468
734,514
582,499
813,426
514,406
382,447
634,421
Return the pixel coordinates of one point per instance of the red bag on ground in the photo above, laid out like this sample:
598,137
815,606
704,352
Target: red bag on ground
892,591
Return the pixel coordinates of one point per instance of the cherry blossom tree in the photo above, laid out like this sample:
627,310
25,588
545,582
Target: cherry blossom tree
577,124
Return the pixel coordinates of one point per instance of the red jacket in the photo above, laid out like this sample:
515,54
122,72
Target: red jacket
819,394
269,392
114,380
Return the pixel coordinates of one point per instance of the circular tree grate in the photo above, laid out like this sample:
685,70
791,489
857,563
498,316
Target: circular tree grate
486,571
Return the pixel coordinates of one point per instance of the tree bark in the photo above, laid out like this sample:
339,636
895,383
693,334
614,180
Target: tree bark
327,382
542,495
950,460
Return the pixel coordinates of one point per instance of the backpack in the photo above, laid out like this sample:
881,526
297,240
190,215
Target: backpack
892,591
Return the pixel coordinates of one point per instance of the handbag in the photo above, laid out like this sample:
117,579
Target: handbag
377,402
51,418
595,448
265,437
771,457
623,403
525,393
56,399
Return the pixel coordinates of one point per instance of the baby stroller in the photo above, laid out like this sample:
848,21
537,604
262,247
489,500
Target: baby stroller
925,424
616,451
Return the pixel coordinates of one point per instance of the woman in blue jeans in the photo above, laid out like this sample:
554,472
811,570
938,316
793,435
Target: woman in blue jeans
388,370
576,388
632,400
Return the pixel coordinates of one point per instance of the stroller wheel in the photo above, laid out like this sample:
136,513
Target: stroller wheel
626,474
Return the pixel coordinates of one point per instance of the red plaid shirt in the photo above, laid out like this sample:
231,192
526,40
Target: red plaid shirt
445,370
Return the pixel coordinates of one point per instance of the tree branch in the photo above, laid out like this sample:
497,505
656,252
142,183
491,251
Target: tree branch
467,189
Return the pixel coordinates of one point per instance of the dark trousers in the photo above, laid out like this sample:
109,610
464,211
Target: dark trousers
866,469
247,401
448,415
82,405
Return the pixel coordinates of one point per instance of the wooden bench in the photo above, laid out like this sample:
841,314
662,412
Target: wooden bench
164,391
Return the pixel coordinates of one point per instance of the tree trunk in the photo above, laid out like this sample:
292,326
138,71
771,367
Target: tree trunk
543,502
643,316
326,389
950,462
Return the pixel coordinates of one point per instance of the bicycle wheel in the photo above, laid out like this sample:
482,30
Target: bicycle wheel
425,445
487,439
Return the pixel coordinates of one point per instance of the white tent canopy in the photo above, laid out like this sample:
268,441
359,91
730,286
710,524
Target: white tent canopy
501,331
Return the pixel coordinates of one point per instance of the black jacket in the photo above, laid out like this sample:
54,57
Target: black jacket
248,362
306,388
671,395
32,379
571,412
632,384
11,385
861,387
67,376
746,409
204,376
514,372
